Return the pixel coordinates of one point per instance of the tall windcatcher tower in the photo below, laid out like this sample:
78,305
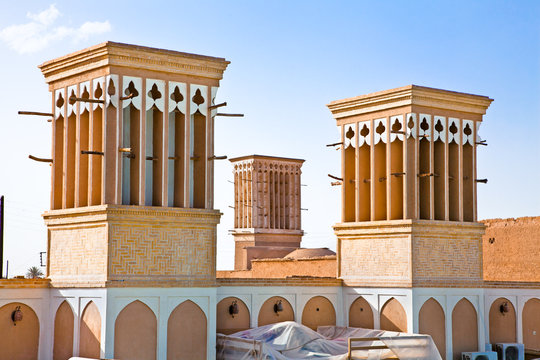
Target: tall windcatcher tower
132,167
409,187
267,219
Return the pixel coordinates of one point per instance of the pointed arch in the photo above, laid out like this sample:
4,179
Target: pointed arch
63,332
318,311
227,323
187,332
135,333
267,315
90,332
19,341
361,314
502,322
393,316
464,328
531,324
432,321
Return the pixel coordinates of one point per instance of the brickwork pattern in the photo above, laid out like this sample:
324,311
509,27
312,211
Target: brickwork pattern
387,263
447,257
78,254
410,253
132,246
140,249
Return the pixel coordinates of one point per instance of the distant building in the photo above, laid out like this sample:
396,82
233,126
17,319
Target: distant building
132,225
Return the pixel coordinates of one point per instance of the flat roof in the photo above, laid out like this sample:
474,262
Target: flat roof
265,157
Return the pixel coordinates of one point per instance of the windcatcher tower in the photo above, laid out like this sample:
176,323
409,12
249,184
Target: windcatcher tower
267,220
132,167
409,188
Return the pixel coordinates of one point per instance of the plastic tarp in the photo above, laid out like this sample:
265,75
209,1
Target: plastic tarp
290,340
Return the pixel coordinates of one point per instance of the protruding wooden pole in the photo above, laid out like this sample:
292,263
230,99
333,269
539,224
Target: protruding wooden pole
35,113
40,159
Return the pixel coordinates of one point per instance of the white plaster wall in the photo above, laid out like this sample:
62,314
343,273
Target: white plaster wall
518,298
377,297
78,299
448,298
162,301
38,300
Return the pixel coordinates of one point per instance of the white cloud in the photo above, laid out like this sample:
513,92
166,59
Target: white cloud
46,17
40,32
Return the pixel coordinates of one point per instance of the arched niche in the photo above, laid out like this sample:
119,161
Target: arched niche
531,324
90,332
318,311
464,328
135,333
361,314
502,322
431,321
186,332
228,323
19,340
267,315
393,316
63,332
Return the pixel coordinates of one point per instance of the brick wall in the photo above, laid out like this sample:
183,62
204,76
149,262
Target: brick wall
324,266
410,253
119,246
511,249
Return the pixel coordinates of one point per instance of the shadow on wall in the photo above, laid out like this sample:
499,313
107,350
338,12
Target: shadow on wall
232,316
464,328
531,324
135,333
431,321
318,311
18,340
393,316
502,322
274,310
186,332
361,314
90,332
63,332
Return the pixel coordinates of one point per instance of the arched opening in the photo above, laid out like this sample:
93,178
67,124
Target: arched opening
360,314
393,316
502,322
431,321
318,311
90,332
228,323
63,332
19,340
186,332
531,324
464,328
274,310
135,333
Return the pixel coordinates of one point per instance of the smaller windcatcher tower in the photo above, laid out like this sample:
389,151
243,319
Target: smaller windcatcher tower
267,220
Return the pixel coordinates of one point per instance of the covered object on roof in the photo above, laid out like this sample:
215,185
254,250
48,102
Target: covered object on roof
290,340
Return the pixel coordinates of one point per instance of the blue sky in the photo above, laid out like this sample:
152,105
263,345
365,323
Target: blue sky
288,60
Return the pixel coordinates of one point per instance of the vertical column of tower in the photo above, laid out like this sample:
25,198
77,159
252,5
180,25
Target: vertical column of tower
96,179
58,149
396,169
112,129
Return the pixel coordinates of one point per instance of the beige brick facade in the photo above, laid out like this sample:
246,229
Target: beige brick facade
409,253
113,245
510,249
